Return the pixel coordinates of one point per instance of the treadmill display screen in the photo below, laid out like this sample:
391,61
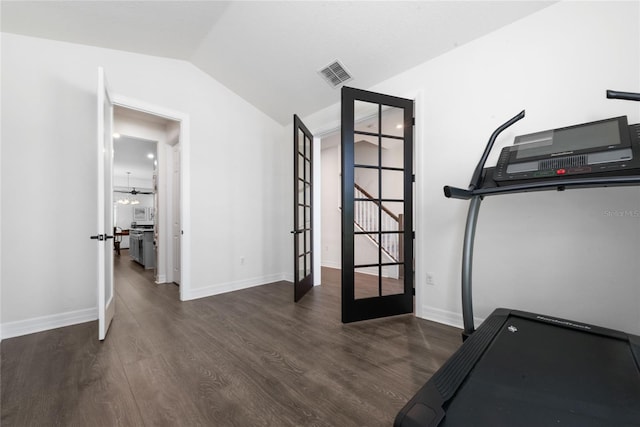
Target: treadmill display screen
605,134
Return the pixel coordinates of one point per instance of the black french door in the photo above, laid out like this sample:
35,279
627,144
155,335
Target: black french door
302,208
377,205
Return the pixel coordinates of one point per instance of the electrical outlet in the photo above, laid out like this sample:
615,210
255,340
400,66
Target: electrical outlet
430,280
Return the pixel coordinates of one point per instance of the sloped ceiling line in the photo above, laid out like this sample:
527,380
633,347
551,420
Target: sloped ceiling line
269,52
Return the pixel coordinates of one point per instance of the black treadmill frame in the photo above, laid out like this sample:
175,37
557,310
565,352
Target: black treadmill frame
483,185
428,406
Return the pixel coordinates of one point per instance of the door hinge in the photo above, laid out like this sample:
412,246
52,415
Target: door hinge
413,121
413,235
413,178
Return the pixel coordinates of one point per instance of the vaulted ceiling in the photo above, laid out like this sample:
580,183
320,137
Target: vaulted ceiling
270,52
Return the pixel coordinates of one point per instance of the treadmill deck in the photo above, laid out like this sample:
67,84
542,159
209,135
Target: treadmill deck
523,369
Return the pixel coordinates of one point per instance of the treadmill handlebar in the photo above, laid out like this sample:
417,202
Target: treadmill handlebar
629,96
457,193
476,178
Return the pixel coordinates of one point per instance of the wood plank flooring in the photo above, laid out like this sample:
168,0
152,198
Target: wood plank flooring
246,358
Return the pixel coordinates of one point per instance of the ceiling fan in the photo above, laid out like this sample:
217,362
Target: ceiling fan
132,191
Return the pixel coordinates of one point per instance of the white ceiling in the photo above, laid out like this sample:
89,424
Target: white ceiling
131,157
131,152
269,52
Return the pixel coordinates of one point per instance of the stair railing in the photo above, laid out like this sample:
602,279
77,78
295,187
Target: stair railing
367,218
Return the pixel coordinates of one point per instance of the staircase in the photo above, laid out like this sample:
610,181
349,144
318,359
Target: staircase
370,216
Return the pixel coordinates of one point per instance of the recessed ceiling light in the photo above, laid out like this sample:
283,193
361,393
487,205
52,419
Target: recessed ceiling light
150,156
116,135
399,126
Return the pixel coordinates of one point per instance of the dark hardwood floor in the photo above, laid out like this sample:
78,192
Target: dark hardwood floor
246,358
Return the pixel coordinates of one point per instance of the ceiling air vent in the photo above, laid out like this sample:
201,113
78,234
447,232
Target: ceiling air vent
335,74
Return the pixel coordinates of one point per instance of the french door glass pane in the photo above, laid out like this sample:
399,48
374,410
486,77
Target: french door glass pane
366,215
307,264
365,150
366,116
392,153
367,180
391,247
392,185
300,142
307,170
395,208
365,250
392,121
307,147
301,162
392,284
365,282
301,248
307,195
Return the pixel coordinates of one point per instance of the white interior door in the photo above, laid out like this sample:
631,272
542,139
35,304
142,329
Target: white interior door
175,214
106,300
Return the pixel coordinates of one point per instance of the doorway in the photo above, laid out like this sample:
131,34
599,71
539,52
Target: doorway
144,147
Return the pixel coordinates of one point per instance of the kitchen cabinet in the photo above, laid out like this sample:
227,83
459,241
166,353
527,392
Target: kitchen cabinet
141,247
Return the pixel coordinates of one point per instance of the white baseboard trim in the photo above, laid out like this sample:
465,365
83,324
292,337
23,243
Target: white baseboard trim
233,286
446,317
161,279
45,323
332,264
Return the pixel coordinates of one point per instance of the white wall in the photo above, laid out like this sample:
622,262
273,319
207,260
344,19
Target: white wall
331,222
237,155
562,254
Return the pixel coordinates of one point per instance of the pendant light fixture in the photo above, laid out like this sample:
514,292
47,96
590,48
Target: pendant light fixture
127,200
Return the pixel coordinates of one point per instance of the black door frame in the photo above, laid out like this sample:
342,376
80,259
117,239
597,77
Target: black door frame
388,305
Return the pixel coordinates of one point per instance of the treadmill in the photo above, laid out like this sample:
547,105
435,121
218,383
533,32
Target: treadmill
527,369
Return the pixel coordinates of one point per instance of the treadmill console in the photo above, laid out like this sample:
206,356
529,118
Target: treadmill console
589,149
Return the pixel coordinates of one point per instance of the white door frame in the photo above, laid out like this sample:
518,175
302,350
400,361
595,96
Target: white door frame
185,202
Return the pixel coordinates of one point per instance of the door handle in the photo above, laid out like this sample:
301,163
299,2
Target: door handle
296,231
101,237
